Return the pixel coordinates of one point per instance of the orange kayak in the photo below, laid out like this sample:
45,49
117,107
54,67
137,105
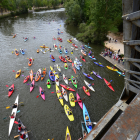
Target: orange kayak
73,68
16,53
31,75
30,62
38,75
43,74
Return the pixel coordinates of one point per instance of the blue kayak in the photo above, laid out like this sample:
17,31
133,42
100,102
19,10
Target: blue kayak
52,77
26,39
65,50
76,65
60,51
98,64
86,118
87,46
88,76
53,59
92,57
22,51
120,73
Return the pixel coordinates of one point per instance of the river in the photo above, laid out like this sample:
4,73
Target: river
47,119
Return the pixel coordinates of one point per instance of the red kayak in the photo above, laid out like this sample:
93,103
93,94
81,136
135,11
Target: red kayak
83,58
74,45
108,85
73,68
66,87
85,90
26,79
62,59
10,92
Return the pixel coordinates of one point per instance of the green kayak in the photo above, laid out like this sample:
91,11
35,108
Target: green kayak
48,83
74,81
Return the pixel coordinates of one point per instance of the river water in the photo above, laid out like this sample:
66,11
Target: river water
47,119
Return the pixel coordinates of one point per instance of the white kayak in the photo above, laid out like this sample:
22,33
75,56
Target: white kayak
74,48
65,79
89,85
42,51
56,80
58,67
14,110
64,92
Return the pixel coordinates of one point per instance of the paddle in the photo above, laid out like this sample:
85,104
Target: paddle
10,106
19,135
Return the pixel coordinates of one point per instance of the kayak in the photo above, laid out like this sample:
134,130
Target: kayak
16,53
65,79
110,68
82,58
68,136
87,46
58,67
68,58
69,41
42,51
58,93
31,75
89,85
38,75
59,39
76,65
83,52
26,39
18,73
52,58
70,116
73,48
37,51
54,38
86,91
73,67
71,99
56,81
60,51
55,73
11,92
66,87
108,85
75,82
86,118
44,47
55,46
48,85
84,132
29,64
52,77
31,88
88,76
62,59
66,66
74,45
92,57
14,36
65,50
14,110
96,74
43,74
79,102
22,51
42,95
23,131
26,79
64,92
98,64
120,73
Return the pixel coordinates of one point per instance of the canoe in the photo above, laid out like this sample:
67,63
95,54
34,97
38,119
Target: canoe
52,77
74,45
65,50
18,73
83,52
120,73
82,58
31,75
85,113
109,85
62,59
68,136
38,75
110,68
58,93
75,82
98,64
64,93
70,117
31,88
68,59
69,41
22,51
65,79
11,92
89,85
52,58
22,132
16,53
44,47
66,66
43,96
26,39
26,79
71,99
58,67
43,74
56,81
83,129
14,110
48,85
88,76
29,64
79,102
85,90
73,67
66,87
60,51
95,73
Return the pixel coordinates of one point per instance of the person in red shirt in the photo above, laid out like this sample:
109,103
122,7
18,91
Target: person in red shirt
22,136
12,116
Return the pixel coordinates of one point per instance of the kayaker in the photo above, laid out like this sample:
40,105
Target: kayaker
21,127
48,83
64,93
58,91
13,115
108,83
52,57
23,136
32,85
87,90
89,85
72,52
73,79
86,117
42,92
85,134
14,105
43,45
25,78
69,112
17,72
30,60
60,97
11,89
72,99
92,56
51,73
123,73
88,75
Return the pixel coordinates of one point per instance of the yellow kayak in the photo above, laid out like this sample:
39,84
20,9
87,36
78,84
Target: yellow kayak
44,47
18,73
51,68
68,136
71,99
110,68
58,92
69,41
70,116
